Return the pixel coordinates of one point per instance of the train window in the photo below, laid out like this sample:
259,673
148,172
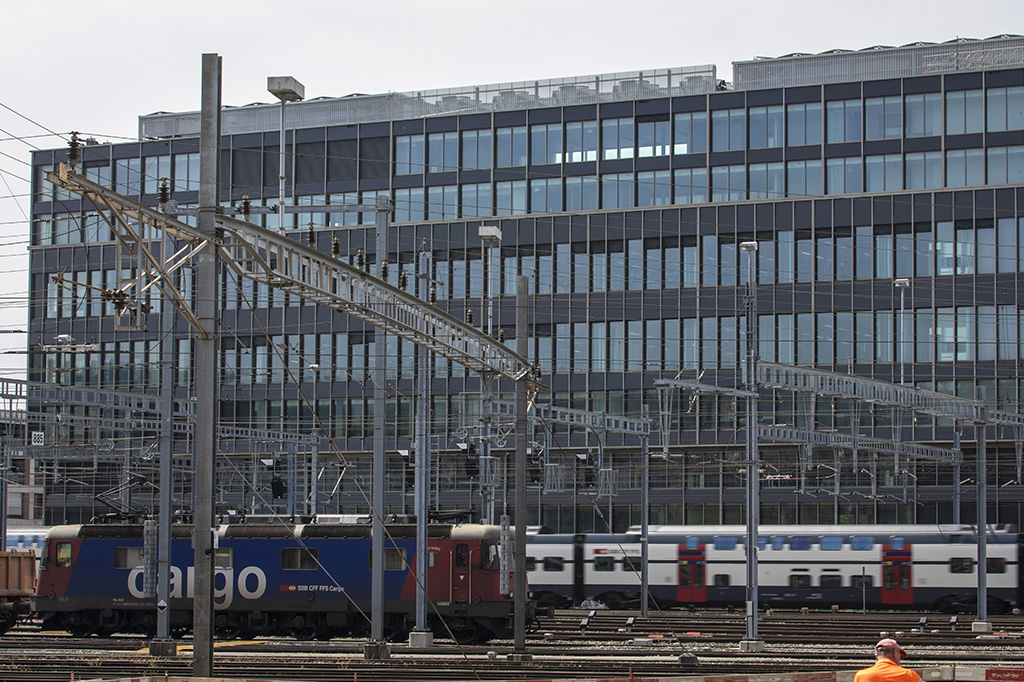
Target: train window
127,557
779,542
63,553
961,564
692,542
604,563
762,542
489,556
531,563
862,542
224,557
722,580
897,543
431,559
996,564
830,581
631,563
725,542
554,563
300,558
462,555
800,542
800,581
861,581
888,580
831,543
394,559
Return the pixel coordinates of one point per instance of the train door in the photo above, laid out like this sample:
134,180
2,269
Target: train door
897,584
461,580
692,586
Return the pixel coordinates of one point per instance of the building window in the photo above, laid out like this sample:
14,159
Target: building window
654,188
581,193
965,167
691,185
883,173
617,138
155,168
728,129
510,197
408,204
804,124
545,143
923,115
883,118
844,176
728,183
476,149
580,141
691,134
186,172
1005,109
617,190
442,202
803,178
512,144
1005,165
767,180
965,112
766,127
408,154
654,138
546,195
923,170
476,200
442,152
843,121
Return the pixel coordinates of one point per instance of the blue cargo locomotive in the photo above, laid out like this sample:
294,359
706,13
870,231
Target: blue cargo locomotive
306,580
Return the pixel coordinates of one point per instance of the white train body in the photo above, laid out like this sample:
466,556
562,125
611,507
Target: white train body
897,566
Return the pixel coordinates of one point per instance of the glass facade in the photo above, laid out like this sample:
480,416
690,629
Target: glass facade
627,217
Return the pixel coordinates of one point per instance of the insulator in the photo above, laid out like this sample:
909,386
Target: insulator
501,335
335,246
360,260
384,269
311,235
246,206
469,316
433,293
164,192
403,279
74,149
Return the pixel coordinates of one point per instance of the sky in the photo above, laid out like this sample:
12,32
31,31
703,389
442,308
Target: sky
96,67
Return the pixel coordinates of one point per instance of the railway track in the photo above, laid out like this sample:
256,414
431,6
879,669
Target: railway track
607,644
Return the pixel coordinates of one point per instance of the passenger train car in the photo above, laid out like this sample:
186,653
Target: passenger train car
887,567
307,581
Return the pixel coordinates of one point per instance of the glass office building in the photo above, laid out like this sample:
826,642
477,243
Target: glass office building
623,198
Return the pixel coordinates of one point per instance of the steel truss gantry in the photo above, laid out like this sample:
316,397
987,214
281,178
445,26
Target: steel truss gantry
280,262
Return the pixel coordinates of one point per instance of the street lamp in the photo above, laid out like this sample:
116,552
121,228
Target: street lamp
286,89
902,283
751,643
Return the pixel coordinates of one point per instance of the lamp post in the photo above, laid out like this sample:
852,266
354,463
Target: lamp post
490,236
902,284
286,89
751,643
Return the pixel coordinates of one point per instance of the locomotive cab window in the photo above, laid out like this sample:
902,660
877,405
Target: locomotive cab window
127,557
961,564
62,555
489,556
604,563
431,559
554,563
300,558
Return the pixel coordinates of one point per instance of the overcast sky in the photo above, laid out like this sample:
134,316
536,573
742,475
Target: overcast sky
96,66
